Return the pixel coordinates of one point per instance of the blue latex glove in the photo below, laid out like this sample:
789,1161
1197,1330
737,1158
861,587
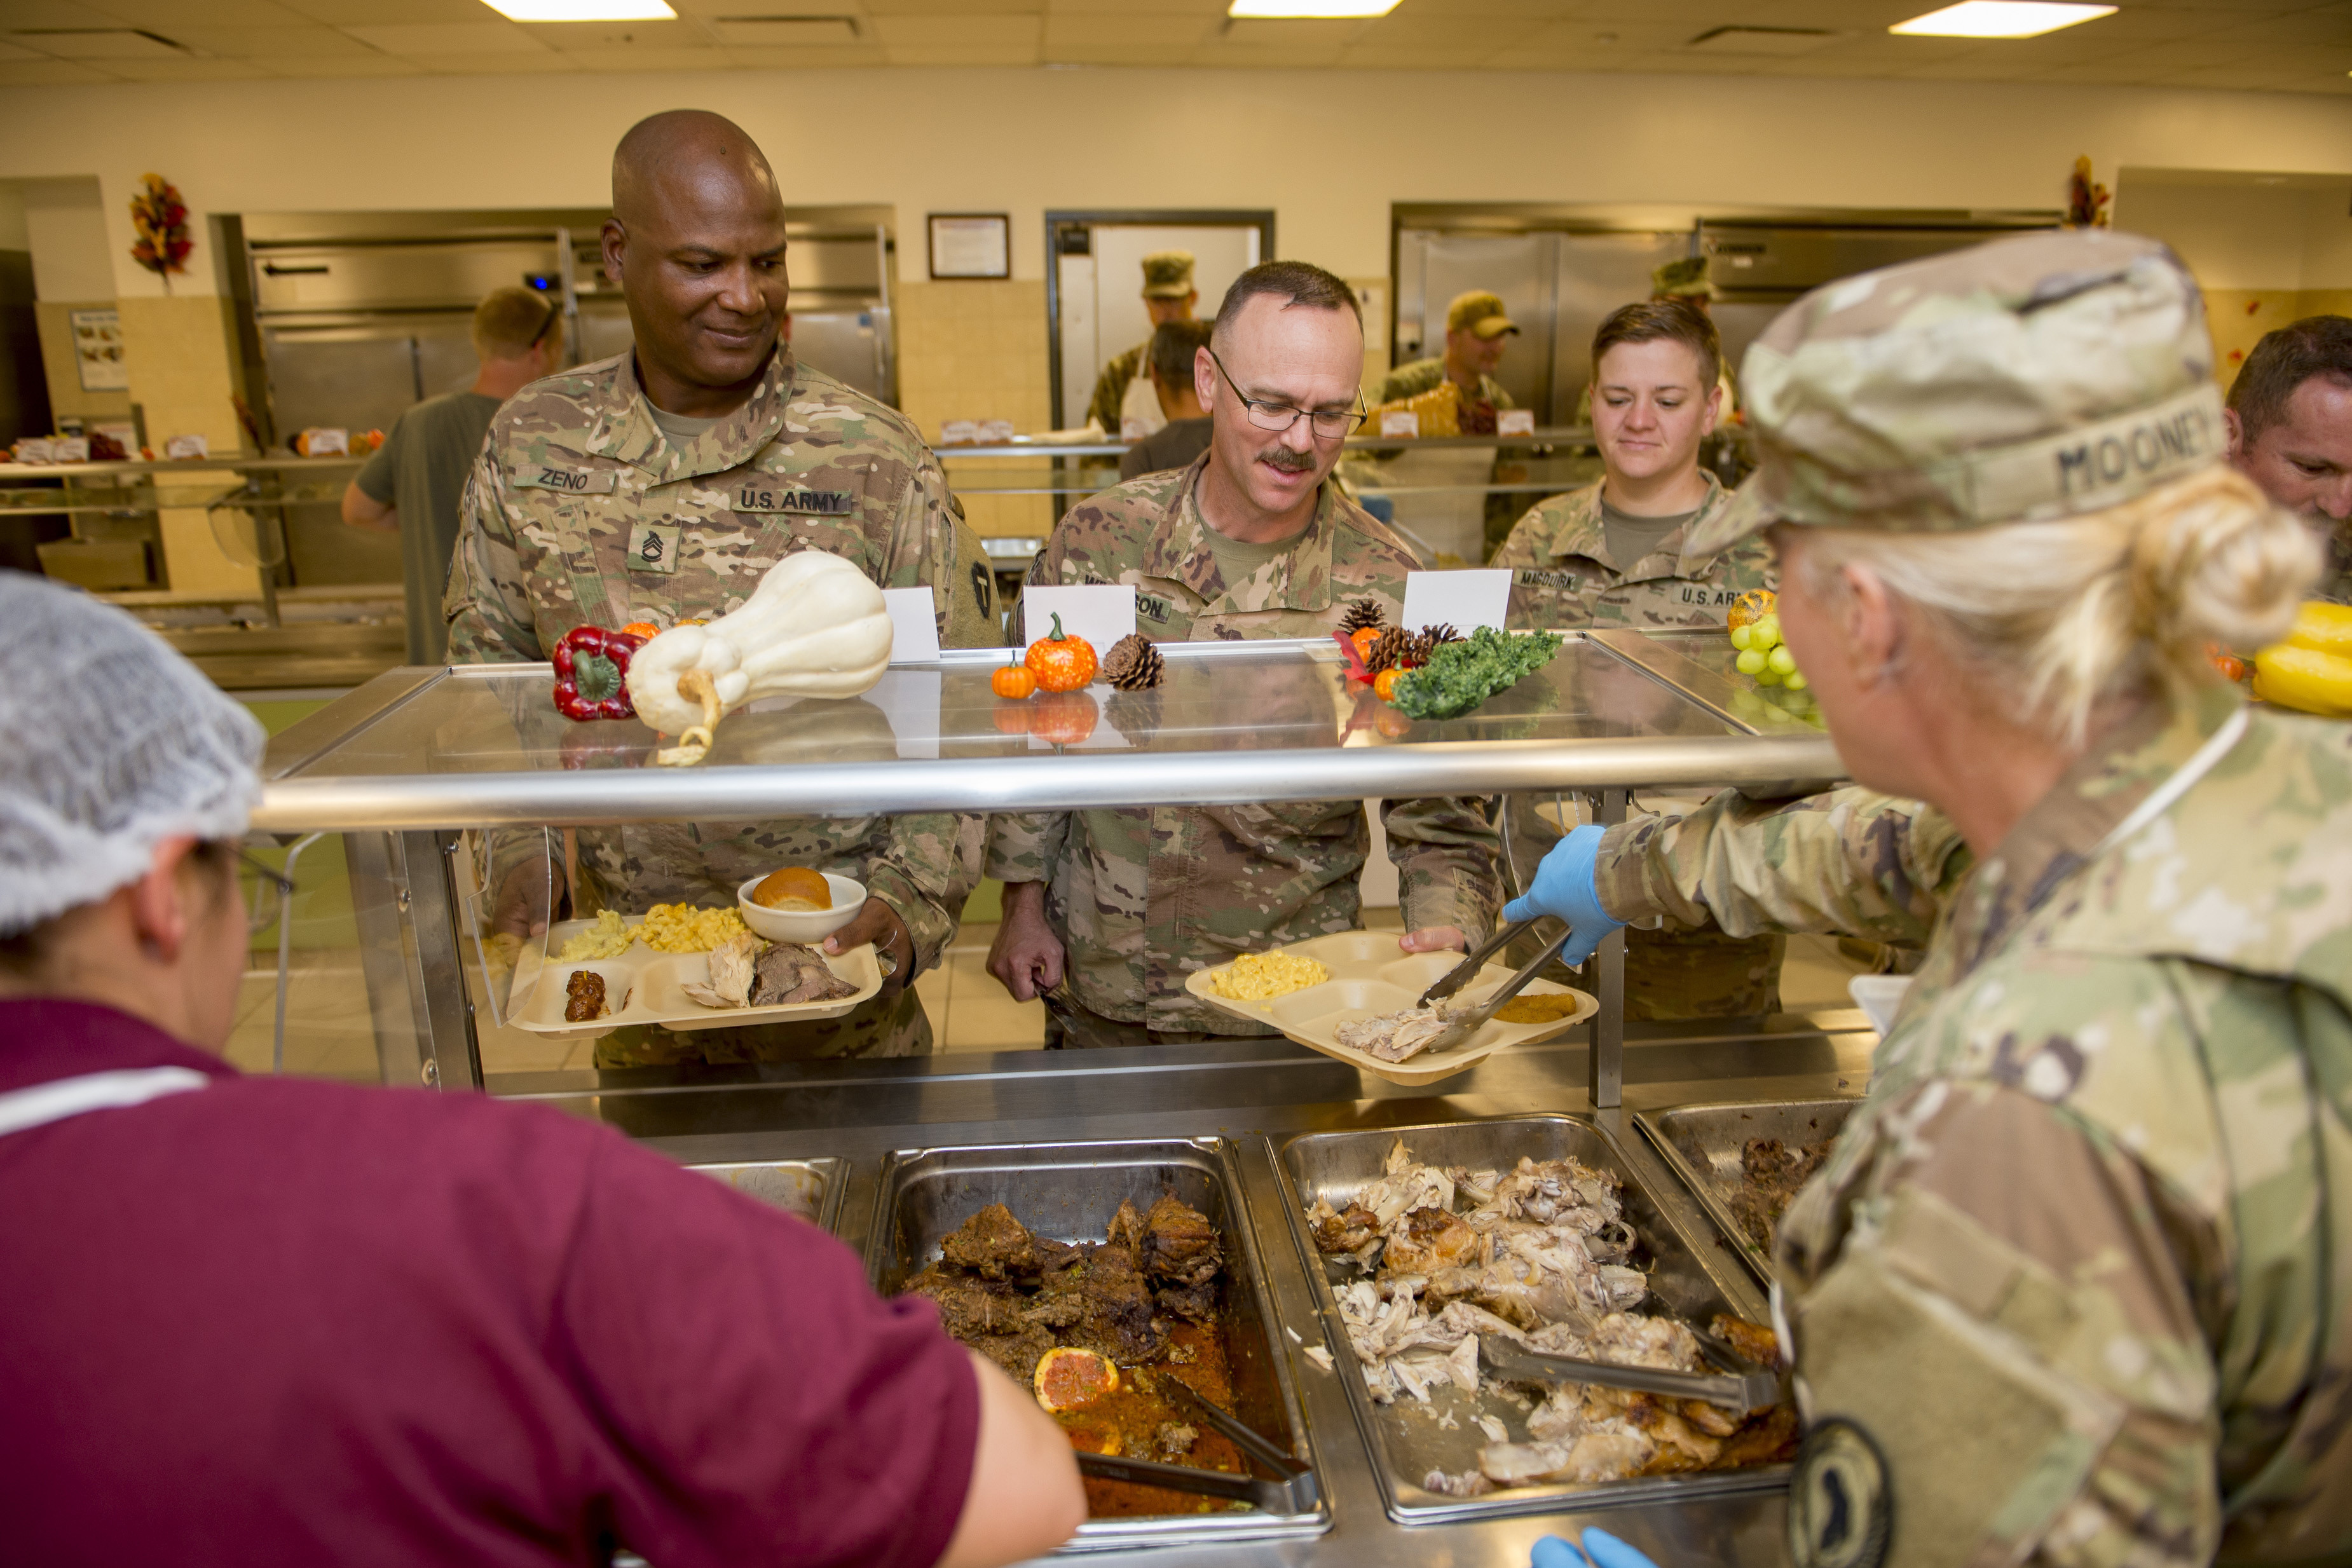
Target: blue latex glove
1601,1550
1564,889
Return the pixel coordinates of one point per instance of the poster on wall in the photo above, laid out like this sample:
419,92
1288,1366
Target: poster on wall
971,245
97,351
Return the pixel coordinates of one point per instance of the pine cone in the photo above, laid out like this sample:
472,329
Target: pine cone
1390,648
1361,613
1133,665
1443,631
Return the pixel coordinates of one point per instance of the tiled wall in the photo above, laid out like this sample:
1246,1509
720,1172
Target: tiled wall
977,350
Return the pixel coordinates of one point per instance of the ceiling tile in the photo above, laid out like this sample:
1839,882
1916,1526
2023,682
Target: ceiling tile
49,73
1147,55
270,43
1578,39
469,63
1132,7
451,38
963,54
950,31
1415,57
366,63
808,59
1148,32
388,12
164,16
188,70
788,31
658,34
16,14
955,7
650,59
713,8
1265,56
13,52
1398,30
1281,34
99,44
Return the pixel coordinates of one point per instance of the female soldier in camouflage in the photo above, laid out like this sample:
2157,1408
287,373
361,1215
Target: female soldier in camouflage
2075,1285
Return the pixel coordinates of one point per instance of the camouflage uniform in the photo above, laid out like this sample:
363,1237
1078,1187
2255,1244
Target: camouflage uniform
2076,1283
1563,579
1142,896
2160,1029
582,511
1418,376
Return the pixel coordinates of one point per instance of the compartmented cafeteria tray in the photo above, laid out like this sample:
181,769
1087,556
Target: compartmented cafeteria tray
810,1187
1412,1441
1706,1147
644,987
1369,977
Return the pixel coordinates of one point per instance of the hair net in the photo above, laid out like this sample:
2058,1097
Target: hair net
112,742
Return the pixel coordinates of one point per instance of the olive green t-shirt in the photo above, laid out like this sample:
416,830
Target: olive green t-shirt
1631,537
682,428
1237,560
420,470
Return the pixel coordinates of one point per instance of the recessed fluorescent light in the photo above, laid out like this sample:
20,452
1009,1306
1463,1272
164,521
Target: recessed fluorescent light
582,10
1999,19
1310,10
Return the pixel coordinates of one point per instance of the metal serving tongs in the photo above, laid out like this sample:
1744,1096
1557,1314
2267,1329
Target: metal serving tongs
1461,1025
1736,1385
1294,1491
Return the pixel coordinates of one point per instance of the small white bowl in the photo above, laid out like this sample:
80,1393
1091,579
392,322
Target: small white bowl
802,926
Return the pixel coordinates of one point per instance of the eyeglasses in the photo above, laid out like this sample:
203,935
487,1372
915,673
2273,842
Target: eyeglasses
553,310
1328,424
267,891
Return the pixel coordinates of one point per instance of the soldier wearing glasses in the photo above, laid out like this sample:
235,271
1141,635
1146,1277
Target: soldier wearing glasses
1106,912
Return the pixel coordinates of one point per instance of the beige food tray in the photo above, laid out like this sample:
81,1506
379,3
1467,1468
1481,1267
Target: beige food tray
647,987
1368,977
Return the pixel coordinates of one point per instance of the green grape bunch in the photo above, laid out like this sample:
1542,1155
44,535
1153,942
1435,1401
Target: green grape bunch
1763,655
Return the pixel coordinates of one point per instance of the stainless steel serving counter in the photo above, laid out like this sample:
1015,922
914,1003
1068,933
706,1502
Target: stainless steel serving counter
1257,1095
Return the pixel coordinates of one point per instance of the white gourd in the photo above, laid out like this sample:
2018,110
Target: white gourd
816,626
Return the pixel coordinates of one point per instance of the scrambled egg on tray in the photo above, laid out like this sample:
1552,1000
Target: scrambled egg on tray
668,928
1255,977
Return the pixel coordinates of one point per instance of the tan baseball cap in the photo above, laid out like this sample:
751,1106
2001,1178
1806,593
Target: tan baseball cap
2028,378
1480,311
1168,275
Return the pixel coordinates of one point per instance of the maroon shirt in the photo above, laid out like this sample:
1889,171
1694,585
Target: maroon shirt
274,1322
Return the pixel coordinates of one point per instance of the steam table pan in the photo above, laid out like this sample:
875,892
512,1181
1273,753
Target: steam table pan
1703,1144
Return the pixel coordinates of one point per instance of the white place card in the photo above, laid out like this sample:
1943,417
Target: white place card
995,432
1515,421
1399,422
180,447
914,625
1100,612
1481,597
959,432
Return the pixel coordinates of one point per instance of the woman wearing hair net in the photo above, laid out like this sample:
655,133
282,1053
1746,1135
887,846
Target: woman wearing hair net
2076,1283
262,1321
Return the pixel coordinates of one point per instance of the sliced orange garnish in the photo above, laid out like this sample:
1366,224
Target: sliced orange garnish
1069,1378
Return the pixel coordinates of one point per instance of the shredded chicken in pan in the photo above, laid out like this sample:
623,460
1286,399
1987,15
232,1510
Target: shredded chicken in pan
1538,1255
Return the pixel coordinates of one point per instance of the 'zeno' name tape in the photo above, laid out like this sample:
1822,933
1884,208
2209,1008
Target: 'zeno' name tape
569,481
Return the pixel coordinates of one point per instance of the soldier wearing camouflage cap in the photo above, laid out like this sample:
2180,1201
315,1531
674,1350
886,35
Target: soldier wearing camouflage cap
1478,329
1122,403
661,486
1106,912
2073,1283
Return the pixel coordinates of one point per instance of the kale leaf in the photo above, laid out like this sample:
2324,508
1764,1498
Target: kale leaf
1460,676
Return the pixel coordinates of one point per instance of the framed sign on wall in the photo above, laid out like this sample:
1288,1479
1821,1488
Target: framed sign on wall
971,245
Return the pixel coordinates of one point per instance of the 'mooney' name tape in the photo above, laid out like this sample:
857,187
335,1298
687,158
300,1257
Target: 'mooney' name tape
2090,467
823,503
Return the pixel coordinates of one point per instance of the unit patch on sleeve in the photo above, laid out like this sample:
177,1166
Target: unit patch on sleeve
754,496
569,481
983,588
653,548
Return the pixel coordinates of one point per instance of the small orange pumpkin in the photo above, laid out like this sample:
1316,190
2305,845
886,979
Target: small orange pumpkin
1060,662
1384,684
642,629
1363,637
1014,680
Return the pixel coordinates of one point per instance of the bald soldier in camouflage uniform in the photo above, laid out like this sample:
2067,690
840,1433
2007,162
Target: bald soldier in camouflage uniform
1168,296
1139,898
2075,1282
1567,576
586,508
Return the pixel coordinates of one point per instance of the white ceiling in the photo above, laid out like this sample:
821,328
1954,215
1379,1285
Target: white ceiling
2275,46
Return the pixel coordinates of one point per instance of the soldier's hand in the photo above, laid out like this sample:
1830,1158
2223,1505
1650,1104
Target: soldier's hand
1027,958
879,923
1434,939
526,895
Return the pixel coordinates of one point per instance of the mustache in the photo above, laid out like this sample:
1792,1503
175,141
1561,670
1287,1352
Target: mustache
1287,459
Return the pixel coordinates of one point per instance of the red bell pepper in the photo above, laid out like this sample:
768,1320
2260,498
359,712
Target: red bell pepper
592,669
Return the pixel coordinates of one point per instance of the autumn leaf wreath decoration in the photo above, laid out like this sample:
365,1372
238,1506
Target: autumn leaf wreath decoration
162,220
